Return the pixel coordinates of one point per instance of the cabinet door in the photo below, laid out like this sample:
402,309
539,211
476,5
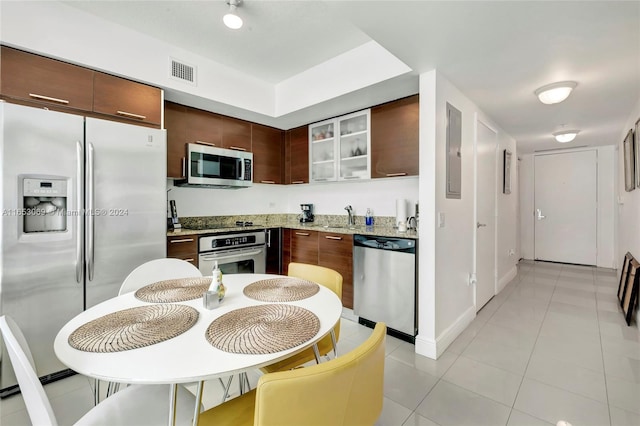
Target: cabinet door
175,124
266,144
304,246
335,251
322,151
126,99
236,134
394,138
297,156
204,127
45,81
353,146
183,247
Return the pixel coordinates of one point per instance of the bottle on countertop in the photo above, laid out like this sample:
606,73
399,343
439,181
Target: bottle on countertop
368,218
216,282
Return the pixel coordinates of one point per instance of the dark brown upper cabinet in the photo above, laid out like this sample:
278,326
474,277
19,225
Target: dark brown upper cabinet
267,147
297,155
43,81
395,138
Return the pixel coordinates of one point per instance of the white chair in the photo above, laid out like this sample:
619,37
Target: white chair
158,270
128,407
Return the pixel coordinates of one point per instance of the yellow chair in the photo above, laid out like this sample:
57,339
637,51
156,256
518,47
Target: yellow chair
333,281
347,390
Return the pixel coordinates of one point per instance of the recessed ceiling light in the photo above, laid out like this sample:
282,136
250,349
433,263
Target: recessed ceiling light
231,19
565,136
556,92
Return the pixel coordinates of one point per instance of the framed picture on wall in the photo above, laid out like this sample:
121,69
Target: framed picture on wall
629,162
631,290
506,172
623,276
636,149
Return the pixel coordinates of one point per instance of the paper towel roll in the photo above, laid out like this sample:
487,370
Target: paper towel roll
401,210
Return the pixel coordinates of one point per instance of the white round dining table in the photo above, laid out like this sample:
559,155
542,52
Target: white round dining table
188,357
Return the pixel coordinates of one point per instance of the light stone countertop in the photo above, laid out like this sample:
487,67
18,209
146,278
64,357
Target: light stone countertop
383,231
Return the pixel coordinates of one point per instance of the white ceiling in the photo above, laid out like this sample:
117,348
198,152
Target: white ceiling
496,52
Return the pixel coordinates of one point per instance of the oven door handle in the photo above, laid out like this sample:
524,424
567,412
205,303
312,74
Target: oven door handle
236,254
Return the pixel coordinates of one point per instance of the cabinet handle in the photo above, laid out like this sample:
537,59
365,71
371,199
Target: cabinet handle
131,115
47,98
238,148
351,177
205,143
184,240
331,237
321,179
304,234
396,174
189,260
267,181
297,181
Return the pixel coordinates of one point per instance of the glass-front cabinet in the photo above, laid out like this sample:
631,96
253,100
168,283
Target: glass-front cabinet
340,147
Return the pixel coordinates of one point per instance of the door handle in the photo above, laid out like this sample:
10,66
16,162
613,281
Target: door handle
539,214
480,225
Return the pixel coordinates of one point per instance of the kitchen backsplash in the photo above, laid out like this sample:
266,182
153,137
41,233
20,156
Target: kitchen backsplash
328,199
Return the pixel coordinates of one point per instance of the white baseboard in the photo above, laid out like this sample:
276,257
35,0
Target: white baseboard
506,278
434,348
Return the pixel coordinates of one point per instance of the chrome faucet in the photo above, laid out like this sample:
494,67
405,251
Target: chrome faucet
352,218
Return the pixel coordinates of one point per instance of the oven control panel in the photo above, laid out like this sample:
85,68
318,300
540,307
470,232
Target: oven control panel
225,241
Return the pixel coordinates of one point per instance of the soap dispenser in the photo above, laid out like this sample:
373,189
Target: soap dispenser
216,282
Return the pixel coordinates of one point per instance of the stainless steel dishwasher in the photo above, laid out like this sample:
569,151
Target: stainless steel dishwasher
384,283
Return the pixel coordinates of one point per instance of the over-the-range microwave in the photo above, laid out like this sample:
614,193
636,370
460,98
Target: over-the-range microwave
210,166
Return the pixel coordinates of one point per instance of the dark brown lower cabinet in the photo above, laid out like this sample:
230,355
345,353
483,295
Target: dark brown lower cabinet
335,251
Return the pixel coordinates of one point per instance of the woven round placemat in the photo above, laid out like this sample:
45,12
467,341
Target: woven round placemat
284,289
176,290
133,328
262,329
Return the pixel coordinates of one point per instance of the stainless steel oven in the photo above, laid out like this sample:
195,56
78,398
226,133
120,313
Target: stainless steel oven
240,252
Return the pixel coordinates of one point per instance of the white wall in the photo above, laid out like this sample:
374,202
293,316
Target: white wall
629,205
606,206
328,198
446,300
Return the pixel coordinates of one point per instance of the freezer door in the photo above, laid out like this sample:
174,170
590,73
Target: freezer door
41,283
125,191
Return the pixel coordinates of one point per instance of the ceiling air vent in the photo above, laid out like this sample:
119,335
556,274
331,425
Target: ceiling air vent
182,71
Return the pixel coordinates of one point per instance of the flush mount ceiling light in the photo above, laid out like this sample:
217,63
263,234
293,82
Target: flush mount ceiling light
565,136
231,19
556,92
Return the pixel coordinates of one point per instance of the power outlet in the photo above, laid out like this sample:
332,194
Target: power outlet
512,252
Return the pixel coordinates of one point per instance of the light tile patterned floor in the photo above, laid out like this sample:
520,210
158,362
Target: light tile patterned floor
551,346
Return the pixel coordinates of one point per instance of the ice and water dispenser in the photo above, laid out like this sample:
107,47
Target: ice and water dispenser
45,205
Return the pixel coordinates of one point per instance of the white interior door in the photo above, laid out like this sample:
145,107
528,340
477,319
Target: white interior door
485,215
566,207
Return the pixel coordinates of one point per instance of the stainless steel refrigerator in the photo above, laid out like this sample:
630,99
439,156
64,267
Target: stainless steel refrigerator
83,204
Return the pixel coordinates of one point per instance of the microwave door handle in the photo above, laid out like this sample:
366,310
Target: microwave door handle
240,163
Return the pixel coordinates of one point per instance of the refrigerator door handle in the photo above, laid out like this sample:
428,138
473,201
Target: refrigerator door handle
80,213
90,210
